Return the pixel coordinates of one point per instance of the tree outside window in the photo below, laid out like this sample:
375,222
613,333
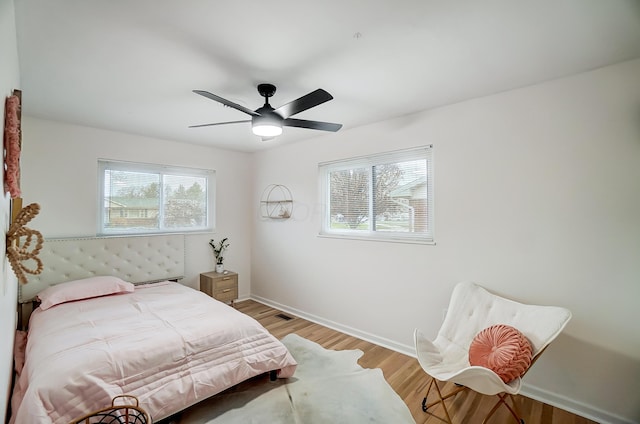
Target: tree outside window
142,198
388,195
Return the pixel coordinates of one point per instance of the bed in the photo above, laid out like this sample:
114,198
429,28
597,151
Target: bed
168,345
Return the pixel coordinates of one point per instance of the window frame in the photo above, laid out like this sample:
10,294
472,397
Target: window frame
117,165
369,161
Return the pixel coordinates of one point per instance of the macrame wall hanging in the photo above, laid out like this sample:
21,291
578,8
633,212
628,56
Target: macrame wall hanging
12,143
24,244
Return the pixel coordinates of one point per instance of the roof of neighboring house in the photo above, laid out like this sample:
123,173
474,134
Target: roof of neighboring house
407,190
133,203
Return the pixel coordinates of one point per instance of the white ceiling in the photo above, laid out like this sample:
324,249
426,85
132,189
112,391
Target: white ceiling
130,65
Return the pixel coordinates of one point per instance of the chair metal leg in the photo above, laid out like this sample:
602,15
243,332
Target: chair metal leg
501,401
515,412
424,401
441,398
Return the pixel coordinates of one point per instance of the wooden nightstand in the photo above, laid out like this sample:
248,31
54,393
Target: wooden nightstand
223,287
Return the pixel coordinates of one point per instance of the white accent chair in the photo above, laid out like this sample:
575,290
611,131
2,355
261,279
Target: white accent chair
472,309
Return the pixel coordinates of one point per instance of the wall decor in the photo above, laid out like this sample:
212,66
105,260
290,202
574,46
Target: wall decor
24,244
5,221
12,143
276,202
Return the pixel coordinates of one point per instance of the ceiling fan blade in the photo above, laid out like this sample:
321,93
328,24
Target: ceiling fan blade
226,102
218,123
303,103
313,125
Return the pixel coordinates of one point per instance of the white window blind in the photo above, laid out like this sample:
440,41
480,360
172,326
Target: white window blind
387,196
136,198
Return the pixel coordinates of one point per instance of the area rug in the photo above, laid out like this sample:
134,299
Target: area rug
328,387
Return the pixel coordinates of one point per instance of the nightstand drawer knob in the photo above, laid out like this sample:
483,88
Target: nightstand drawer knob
226,278
226,290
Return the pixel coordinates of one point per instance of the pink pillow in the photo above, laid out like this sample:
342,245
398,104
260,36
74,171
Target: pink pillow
82,289
503,349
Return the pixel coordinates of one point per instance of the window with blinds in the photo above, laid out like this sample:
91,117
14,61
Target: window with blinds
386,196
136,198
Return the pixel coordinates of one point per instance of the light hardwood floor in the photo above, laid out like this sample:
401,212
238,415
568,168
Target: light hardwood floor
406,377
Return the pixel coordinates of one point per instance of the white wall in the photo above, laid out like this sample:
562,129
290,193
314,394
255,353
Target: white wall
9,80
536,197
60,173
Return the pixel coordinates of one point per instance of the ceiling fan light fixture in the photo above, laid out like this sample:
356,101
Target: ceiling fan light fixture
267,130
266,125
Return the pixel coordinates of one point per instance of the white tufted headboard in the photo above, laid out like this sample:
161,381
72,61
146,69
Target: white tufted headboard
138,259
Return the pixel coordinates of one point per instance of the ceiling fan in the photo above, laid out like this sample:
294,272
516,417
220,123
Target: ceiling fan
267,122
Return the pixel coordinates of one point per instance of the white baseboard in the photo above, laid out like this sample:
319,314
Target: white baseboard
372,338
571,405
541,395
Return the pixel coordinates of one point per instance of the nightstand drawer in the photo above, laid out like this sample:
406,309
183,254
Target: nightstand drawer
227,295
226,283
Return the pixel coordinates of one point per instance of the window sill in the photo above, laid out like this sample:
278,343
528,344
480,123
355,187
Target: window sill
377,238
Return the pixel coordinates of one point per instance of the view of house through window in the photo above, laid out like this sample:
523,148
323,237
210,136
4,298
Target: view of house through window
388,196
144,198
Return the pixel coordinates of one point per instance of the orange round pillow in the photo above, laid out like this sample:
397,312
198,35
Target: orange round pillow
503,349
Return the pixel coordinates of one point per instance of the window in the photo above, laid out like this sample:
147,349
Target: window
136,198
387,196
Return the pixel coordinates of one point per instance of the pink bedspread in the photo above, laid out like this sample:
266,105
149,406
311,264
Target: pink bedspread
167,344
